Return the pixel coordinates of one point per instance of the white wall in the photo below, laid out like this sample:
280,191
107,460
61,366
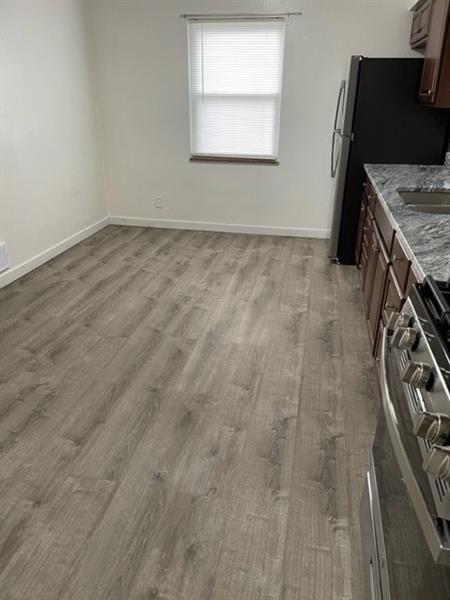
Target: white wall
51,184
141,74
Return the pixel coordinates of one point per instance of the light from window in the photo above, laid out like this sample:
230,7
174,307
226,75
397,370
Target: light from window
235,74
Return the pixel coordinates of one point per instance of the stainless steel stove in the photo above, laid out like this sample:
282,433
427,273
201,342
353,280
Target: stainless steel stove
405,510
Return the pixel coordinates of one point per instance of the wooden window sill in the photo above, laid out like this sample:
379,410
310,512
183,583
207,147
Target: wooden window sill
234,160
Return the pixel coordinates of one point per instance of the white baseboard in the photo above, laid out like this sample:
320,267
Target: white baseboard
221,227
14,273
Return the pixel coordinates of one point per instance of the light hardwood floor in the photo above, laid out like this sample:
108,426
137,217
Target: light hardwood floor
184,416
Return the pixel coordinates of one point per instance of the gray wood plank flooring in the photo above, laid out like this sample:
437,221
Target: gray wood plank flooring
183,416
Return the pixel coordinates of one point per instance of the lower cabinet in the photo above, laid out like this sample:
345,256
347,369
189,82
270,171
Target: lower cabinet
378,290
360,233
364,242
372,260
393,296
386,274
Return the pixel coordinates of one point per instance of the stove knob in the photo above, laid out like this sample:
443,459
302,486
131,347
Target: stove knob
417,374
434,427
437,462
397,319
404,338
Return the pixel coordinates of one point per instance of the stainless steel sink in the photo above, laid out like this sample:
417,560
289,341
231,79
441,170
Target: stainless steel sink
429,202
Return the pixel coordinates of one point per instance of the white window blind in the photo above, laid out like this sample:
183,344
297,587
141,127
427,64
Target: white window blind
235,74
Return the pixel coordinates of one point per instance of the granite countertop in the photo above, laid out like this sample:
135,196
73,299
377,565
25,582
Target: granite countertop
425,236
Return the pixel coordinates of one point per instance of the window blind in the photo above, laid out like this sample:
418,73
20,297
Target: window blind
235,75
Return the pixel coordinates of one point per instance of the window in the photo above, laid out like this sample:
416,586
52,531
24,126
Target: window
235,75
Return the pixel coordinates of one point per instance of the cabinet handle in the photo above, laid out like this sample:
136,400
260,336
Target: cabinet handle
429,92
396,258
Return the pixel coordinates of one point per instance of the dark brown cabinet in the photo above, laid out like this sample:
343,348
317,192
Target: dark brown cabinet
378,286
393,299
365,241
360,231
374,274
366,261
400,264
420,24
430,31
386,274
393,296
372,259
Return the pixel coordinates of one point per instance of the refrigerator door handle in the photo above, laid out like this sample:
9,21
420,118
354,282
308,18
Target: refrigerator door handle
334,157
338,106
336,130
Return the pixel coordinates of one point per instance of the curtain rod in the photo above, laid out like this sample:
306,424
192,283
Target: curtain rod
241,16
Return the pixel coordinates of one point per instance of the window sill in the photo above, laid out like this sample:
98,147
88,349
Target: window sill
235,160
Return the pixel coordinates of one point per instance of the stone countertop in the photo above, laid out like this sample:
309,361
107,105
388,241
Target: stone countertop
425,236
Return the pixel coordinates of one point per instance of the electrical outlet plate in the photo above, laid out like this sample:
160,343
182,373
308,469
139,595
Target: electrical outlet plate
158,202
4,263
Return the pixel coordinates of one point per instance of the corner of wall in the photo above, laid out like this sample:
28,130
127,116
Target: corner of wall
86,7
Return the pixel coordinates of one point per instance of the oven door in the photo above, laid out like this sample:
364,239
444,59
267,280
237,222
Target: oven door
405,449
374,559
397,562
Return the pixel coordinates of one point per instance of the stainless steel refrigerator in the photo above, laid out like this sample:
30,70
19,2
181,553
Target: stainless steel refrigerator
378,120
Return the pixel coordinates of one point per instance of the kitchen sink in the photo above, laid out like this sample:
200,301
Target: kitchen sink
429,202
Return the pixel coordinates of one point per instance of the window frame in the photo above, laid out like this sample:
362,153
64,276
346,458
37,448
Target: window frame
237,158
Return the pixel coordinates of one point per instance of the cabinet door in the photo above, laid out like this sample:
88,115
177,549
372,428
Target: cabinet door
420,24
366,248
443,91
429,81
393,296
359,236
400,263
373,252
393,300
434,52
378,291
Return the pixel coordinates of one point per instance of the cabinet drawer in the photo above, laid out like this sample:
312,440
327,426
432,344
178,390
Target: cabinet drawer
400,263
384,226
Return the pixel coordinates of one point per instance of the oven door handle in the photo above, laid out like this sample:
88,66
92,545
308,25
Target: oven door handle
413,489
373,593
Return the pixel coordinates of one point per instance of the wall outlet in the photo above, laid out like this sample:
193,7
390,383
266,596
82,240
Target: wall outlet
159,202
4,262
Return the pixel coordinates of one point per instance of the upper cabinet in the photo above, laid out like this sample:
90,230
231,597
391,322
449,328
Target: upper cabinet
430,32
420,22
